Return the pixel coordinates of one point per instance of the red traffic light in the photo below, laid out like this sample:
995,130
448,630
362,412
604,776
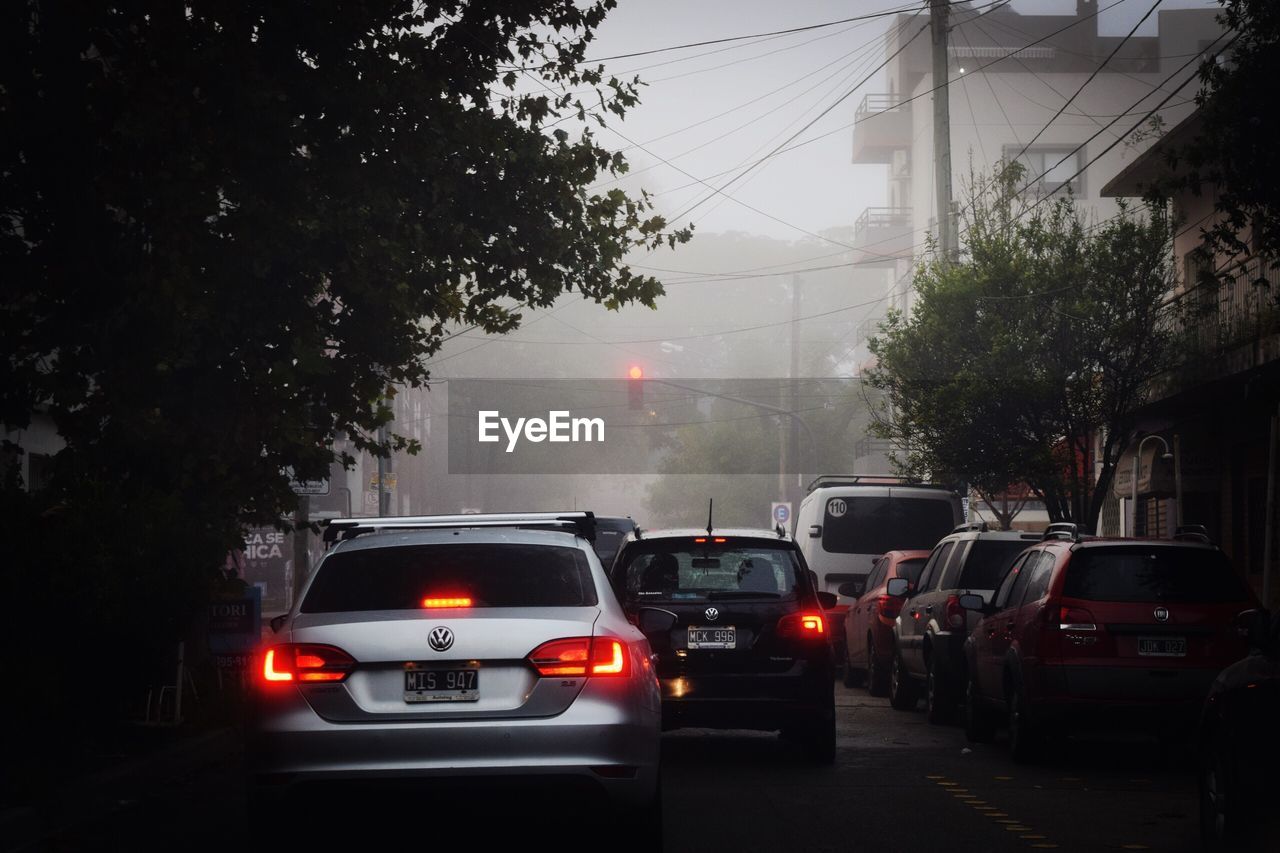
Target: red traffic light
636,372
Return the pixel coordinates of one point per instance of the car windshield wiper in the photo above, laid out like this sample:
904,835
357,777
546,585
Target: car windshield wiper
740,593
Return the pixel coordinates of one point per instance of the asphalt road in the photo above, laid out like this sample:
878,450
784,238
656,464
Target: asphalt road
899,784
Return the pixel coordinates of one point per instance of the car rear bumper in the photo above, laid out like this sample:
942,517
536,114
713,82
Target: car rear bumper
1119,696
604,744
757,701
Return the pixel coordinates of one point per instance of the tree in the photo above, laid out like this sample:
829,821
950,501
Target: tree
1047,332
229,231
1234,150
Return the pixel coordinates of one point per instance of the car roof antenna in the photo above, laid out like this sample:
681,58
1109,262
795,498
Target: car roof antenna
710,503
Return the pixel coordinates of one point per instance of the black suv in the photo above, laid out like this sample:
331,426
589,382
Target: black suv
931,628
738,631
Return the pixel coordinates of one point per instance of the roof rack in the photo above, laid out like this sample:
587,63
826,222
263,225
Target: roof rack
980,526
825,480
581,523
1062,530
1193,533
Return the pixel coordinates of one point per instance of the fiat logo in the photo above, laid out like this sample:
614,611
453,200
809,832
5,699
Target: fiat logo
1162,614
440,639
712,614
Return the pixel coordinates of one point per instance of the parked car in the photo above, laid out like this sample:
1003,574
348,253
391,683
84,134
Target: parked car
1105,632
930,631
610,533
868,625
435,648
1239,747
737,629
846,523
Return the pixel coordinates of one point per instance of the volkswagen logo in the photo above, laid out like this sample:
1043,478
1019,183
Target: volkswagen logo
1162,614
712,614
440,639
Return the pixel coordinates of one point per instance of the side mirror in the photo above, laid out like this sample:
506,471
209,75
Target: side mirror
972,601
827,600
277,622
898,587
1260,633
655,620
815,530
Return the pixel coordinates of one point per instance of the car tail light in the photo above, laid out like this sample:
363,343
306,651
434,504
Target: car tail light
954,612
1075,619
581,656
293,662
803,626
888,606
447,601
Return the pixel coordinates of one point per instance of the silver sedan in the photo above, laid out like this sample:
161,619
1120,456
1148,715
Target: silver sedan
447,647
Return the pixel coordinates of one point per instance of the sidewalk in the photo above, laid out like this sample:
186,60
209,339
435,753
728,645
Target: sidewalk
98,794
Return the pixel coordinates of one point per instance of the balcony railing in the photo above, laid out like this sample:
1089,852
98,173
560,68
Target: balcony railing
872,104
1219,315
868,446
882,217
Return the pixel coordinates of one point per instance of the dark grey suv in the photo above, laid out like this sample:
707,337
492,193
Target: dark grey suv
931,627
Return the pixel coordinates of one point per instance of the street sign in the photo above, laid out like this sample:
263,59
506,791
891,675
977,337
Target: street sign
311,488
781,513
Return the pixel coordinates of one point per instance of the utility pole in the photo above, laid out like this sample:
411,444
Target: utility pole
301,555
948,241
794,458
384,469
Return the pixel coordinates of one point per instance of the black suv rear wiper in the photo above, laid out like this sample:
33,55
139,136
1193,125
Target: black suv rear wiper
717,594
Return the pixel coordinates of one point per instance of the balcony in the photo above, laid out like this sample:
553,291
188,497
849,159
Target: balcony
884,235
882,124
1225,327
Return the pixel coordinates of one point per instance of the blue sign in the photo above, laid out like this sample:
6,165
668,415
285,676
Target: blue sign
781,513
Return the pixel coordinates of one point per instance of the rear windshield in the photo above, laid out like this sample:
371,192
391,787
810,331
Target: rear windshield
909,569
1153,574
874,525
491,575
988,562
609,536
707,573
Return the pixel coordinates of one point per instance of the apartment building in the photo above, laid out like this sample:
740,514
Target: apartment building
1009,74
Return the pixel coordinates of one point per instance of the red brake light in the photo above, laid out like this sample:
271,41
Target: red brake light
1075,619
804,626
700,539
305,662
720,539
954,612
455,601
581,656
888,607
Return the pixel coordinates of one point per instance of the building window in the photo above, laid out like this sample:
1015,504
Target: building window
1050,167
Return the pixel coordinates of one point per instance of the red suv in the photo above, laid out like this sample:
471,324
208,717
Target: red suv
868,624
1113,633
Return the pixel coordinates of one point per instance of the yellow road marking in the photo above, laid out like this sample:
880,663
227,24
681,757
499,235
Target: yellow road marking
935,777
1017,828
947,784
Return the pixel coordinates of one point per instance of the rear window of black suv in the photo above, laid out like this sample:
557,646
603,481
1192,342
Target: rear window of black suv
684,571
988,561
1136,573
490,575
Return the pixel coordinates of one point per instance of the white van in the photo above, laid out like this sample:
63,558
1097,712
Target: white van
846,523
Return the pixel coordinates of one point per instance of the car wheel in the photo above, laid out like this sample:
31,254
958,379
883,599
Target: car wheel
902,694
979,722
1222,826
938,705
877,678
1024,742
821,738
